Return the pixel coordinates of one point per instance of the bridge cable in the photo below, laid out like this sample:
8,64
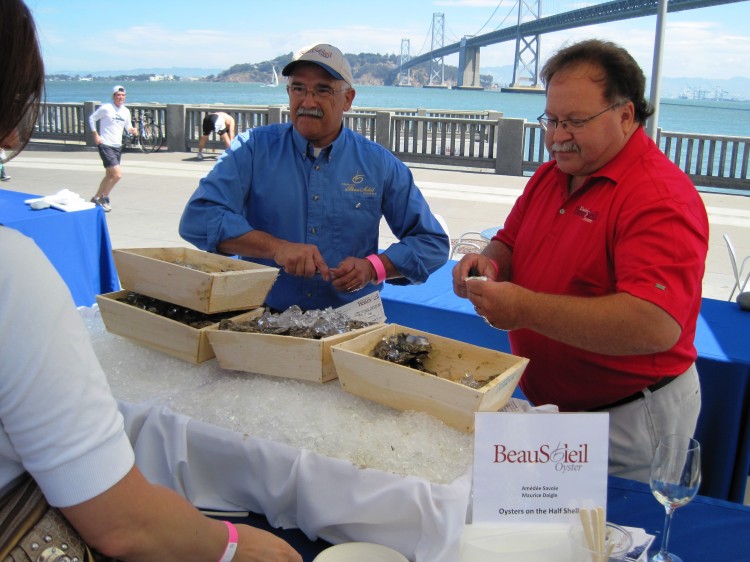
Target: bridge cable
488,19
453,36
428,36
511,12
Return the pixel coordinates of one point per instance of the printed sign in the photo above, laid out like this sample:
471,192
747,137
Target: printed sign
367,309
538,467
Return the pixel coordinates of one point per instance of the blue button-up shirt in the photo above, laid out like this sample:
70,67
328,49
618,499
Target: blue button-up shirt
270,180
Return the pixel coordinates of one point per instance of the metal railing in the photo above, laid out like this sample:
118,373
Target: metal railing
61,121
467,142
479,139
709,160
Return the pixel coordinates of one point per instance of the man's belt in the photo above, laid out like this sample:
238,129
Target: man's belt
661,383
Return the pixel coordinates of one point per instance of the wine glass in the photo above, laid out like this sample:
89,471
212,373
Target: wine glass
675,477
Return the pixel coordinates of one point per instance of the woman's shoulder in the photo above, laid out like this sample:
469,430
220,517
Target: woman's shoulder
22,259
10,239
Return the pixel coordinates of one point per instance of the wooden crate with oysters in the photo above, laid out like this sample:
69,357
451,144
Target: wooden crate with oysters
172,296
195,279
293,344
451,380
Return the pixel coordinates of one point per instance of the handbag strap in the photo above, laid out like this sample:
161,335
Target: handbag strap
20,509
26,518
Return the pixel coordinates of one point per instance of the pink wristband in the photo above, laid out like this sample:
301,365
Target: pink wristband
377,263
494,265
231,543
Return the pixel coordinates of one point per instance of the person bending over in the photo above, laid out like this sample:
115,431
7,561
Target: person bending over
220,123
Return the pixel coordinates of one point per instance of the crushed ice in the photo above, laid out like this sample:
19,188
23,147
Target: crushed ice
317,417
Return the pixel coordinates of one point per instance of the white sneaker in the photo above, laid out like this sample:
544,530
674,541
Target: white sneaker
102,202
200,156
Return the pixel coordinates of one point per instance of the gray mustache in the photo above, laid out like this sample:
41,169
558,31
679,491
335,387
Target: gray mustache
565,147
310,112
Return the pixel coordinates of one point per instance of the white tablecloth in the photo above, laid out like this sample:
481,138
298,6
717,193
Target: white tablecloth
216,468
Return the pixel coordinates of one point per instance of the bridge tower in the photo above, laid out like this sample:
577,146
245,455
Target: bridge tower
404,77
526,64
468,67
437,64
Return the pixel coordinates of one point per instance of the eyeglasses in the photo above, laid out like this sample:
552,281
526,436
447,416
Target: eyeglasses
570,124
320,92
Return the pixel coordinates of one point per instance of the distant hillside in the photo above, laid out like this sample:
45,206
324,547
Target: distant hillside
377,70
501,75
182,72
368,69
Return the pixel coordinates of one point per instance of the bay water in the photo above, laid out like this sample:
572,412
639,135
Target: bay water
726,118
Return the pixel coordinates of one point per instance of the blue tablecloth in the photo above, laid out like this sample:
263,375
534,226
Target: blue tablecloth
704,530
722,340
77,243
488,233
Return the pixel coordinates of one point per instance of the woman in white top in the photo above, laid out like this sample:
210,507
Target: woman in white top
58,419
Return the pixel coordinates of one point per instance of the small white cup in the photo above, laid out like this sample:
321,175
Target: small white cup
614,534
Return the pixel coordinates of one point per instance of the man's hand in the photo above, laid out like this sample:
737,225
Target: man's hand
301,260
352,274
472,265
500,304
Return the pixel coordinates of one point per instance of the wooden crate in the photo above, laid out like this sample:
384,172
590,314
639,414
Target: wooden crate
442,396
156,331
280,356
227,284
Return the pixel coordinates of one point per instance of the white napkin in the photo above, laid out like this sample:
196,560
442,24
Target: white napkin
519,405
64,200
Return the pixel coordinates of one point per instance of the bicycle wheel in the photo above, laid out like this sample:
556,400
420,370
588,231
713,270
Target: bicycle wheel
150,137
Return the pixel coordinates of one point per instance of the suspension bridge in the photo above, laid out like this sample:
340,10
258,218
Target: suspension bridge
526,31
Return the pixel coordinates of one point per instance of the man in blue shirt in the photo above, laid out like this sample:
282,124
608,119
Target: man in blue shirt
308,196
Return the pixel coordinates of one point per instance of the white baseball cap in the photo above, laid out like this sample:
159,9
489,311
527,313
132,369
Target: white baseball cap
326,56
118,89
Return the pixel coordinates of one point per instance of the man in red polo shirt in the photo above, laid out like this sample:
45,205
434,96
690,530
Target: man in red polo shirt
597,271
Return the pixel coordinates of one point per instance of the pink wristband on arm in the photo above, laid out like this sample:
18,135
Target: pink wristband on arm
494,265
231,543
377,263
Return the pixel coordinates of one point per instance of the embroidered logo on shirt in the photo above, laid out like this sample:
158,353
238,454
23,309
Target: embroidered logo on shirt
586,214
355,186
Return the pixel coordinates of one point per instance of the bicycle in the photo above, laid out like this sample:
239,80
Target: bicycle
149,137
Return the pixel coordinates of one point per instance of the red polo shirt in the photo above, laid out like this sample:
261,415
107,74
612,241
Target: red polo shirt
637,226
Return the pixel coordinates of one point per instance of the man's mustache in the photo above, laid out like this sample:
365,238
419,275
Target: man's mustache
564,147
310,112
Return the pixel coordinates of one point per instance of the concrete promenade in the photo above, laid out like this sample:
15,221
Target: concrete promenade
148,201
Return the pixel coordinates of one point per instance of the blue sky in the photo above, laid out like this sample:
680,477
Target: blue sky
88,35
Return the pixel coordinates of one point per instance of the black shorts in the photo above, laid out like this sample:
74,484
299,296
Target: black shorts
209,123
110,155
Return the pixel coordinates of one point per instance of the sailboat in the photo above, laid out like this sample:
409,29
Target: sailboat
274,78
